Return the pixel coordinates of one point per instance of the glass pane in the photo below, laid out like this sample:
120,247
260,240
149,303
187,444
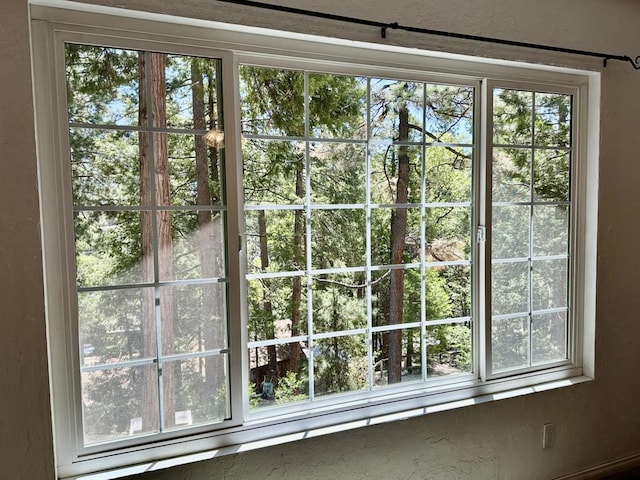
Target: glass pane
338,173
512,117
448,174
341,365
509,343
550,230
449,114
119,403
194,172
550,282
549,337
105,167
338,238
448,292
102,85
193,248
386,221
511,175
272,241
392,167
196,316
337,106
272,101
553,119
195,391
551,176
274,172
448,231
193,92
277,308
397,112
339,302
116,325
397,356
108,249
449,349
278,374
510,231
509,288
395,296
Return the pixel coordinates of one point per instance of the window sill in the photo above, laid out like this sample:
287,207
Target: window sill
312,423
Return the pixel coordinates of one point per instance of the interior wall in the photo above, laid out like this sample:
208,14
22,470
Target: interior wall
597,421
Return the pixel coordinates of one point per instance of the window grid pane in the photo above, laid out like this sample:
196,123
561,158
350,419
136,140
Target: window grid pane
150,240
529,227
373,214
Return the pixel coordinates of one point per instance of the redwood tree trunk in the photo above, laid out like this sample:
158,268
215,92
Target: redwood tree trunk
398,235
299,259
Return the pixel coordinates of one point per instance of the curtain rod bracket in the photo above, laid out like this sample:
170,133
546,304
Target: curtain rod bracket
383,30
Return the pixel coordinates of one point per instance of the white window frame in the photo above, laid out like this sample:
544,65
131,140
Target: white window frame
56,22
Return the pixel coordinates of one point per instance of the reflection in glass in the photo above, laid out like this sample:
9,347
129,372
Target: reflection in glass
197,390
550,283
112,324
198,319
119,403
509,288
511,175
550,230
102,237
549,337
510,231
510,343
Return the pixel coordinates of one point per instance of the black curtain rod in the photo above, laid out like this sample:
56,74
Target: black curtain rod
395,26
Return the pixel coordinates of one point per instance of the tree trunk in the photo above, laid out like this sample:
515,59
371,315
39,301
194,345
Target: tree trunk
209,236
398,235
300,262
158,157
150,413
267,307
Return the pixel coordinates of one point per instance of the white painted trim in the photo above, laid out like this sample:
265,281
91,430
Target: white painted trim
610,468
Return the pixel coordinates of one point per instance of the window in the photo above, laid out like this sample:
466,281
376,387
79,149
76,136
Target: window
237,238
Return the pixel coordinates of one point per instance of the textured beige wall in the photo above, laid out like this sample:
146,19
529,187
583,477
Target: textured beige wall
597,422
26,450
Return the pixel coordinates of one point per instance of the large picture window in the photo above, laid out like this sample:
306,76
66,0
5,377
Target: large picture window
243,244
